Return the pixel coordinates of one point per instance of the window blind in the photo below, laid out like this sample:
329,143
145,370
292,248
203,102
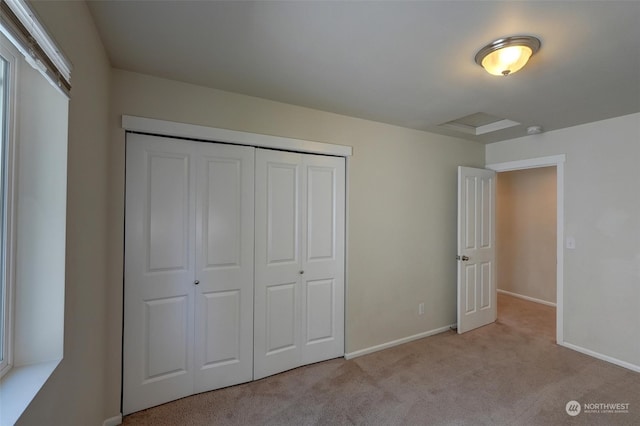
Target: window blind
21,25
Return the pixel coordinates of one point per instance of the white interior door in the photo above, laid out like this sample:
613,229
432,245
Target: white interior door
277,280
159,272
223,351
323,213
188,311
299,280
477,295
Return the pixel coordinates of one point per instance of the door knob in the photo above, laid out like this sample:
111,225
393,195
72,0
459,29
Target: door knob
463,258
196,282
301,272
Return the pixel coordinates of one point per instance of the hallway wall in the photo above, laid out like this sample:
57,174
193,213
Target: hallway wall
526,232
602,274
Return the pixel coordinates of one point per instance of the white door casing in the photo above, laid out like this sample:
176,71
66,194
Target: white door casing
299,286
557,161
181,337
477,294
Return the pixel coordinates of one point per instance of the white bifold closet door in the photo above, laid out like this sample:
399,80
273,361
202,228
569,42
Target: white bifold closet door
299,255
188,299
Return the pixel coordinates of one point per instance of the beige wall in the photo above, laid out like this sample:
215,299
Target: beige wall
402,218
75,393
602,207
526,232
402,195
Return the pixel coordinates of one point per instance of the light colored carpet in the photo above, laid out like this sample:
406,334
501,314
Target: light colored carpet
507,373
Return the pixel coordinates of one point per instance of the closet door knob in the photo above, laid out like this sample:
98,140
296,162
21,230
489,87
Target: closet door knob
196,282
301,272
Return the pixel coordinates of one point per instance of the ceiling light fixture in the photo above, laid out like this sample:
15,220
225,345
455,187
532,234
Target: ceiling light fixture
507,55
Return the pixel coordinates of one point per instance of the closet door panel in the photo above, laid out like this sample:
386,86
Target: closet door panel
277,279
159,266
282,213
319,307
323,258
222,332
224,266
222,212
167,334
321,213
281,318
167,211
299,306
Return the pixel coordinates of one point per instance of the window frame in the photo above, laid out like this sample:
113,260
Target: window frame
37,256
7,253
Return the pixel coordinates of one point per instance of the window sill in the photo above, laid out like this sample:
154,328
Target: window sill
19,386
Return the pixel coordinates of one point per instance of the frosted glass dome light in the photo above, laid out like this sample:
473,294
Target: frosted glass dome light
507,55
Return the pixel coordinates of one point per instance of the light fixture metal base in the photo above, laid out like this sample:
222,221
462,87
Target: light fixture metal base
520,40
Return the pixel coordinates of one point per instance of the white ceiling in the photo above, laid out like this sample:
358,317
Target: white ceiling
404,63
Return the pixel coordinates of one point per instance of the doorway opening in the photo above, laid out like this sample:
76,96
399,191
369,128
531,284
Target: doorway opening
525,248
530,260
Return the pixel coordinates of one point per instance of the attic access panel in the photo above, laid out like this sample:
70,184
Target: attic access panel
479,123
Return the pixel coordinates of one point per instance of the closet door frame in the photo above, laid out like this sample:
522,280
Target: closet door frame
212,134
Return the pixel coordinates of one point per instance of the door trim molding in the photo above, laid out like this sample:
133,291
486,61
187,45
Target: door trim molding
192,131
531,163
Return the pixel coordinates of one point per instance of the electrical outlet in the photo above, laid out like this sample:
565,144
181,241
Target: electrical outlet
421,309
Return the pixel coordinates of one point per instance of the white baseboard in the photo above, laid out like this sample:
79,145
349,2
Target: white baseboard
393,343
113,421
628,365
530,299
